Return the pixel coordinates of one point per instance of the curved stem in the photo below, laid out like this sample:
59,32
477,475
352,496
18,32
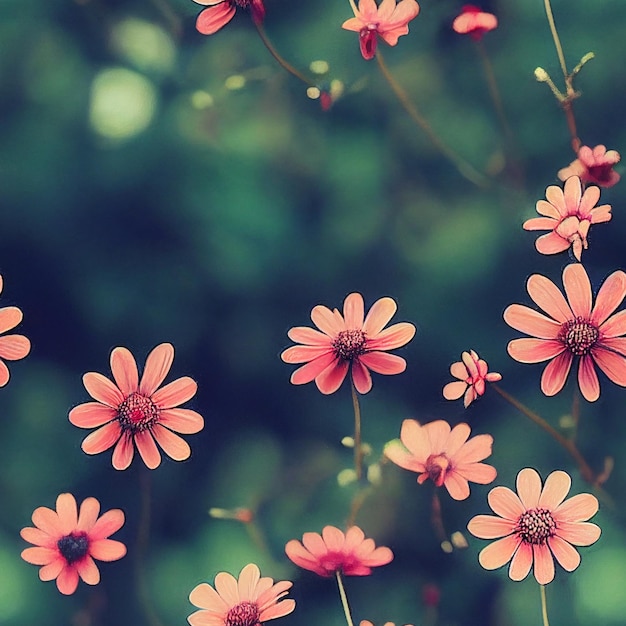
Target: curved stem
437,519
358,446
555,37
344,599
544,605
463,167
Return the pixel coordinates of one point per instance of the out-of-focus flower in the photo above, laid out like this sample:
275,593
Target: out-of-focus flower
132,413
348,553
247,601
68,542
593,165
472,373
568,215
388,21
474,22
12,347
444,455
348,340
572,328
219,12
535,525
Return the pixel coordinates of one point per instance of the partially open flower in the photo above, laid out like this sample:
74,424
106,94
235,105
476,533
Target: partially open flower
593,165
219,12
388,21
474,22
472,373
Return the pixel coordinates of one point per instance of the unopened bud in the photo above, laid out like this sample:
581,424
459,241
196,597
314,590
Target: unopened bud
541,75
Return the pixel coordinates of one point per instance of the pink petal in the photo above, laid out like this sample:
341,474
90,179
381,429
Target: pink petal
490,527
379,315
102,439
588,379
505,503
565,554
109,523
438,433
361,377
304,354
184,421
313,369
457,486
4,374
552,243
327,321
353,311
544,564
480,473
249,578
157,366
499,552
10,317
579,533
476,449
393,337
40,556
309,336
528,486
124,370
39,538
548,297
280,609
14,347
555,374
578,508
415,438
175,393
147,449
53,569
399,455
91,414
531,322
226,586
89,511
453,391
383,363
102,389
555,490
609,297
205,597
67,580
215,17
528,350
578,289
67,512
47,520
457,439
174,446
123,453
556,197
107,550
330,379
615,326
521,562
88,570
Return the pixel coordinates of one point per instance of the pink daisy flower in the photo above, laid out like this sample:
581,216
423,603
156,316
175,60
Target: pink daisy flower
535,525
137,413
472,373
568,215
67,542
573,328
388,21
219,12
247,601
443,454
474,22
593,165
348,553
348,340
12,347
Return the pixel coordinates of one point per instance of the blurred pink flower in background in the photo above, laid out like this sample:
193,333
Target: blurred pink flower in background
474,22
472,373
348,340
366,622
535,525
12,347
573,328
568,214
444,455
132,413
247,601
389,21
593,165
348,553
219,12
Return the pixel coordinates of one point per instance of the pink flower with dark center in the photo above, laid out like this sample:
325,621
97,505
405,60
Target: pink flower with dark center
388,21
131,413
443,454
220,12
568,215
348,553
472,373
12,347
474,22
348,340
573,328
67,542
535,525
247,601
593,165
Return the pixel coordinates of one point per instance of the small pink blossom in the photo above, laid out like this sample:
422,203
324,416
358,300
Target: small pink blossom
348,553
573,328
536,526
443,454
593,165
219,12
474,22
388,21
472,373
348,340
568,214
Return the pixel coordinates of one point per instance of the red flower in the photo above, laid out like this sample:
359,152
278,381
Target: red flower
348,340
535,525
132,413
569,214
333,551
472,373
220,12
593,165
249,601
389,21
572,329
68,542
444,455
12,347
474,22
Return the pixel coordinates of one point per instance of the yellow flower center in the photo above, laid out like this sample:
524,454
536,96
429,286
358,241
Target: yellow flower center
137,413
349,344
579,336
243,614
536,526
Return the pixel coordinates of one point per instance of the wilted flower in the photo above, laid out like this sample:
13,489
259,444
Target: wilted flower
474,22
593,165
472,373
535,525
68,542
220,12
12,347
573,328
444,455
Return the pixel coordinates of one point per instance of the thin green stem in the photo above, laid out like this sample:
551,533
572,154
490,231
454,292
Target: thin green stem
555,37
544,605
344,599
463,167
358,446
353,5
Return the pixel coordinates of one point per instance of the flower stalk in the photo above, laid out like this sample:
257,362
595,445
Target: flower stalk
344,599
544,605
358,444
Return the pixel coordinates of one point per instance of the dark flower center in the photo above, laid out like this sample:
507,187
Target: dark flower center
137,413
436,466
244,4
368,41
579,336
536,526
243,614
73,547
349,344
600,173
